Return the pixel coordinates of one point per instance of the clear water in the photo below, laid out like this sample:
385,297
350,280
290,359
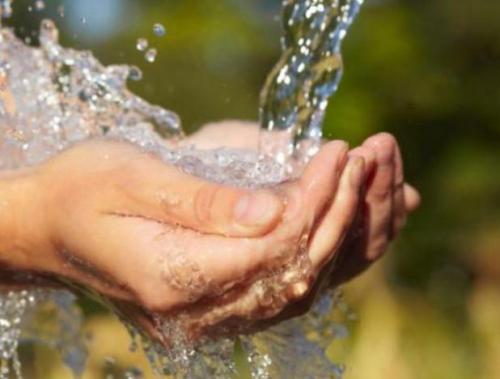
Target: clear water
52,97
296,92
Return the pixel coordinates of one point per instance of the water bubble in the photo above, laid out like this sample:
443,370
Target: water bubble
61,11
159,30
142,44
83,20
150,55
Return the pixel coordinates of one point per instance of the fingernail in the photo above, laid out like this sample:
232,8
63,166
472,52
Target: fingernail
344,150
256,208
356,172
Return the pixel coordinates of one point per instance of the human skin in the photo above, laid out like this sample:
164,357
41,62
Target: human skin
109,217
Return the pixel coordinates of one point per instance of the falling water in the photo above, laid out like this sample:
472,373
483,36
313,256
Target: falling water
296,92
52,97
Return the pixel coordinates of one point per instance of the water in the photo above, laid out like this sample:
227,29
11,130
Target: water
142,44
52,97
5,8
296,92
150,55
40,316
159,30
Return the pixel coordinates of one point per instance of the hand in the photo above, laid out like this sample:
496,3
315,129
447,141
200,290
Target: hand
387,201
118,221
383,214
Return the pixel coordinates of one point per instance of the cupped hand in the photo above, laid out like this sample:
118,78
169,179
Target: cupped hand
154,240
117,221
383,211
159,242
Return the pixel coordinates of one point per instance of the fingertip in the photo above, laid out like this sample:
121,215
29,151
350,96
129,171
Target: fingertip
384,146
331,159
412,198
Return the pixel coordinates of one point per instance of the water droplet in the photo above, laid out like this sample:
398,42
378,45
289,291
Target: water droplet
83,20
135,73
142,44
60,11
150,55
39,5
159,30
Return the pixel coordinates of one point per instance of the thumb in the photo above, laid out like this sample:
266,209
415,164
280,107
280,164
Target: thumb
168,195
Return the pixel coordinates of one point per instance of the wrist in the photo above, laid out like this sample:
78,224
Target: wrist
21,230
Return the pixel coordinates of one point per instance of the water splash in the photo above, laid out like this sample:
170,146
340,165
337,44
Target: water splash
296,93
52,97
40,316
5,9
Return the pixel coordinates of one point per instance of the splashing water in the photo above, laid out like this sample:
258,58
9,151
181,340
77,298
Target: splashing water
23,318
5,8
52,97
296,93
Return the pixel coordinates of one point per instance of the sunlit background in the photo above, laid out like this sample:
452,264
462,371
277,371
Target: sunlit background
427,71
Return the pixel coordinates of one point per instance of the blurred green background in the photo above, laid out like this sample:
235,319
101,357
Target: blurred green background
427,71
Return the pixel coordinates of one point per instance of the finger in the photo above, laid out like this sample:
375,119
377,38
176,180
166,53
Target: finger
399,219
339,217
379,197
165,194
412,198
322,175
168,267
368,156
333,241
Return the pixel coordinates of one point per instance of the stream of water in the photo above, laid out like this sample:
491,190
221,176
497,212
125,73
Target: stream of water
297,91
52,97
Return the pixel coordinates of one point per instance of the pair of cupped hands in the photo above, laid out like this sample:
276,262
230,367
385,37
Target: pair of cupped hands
155,240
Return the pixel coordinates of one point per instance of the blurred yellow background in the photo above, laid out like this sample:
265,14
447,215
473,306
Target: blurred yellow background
427,71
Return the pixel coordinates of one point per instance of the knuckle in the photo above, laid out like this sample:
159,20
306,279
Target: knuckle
380,193
204,201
